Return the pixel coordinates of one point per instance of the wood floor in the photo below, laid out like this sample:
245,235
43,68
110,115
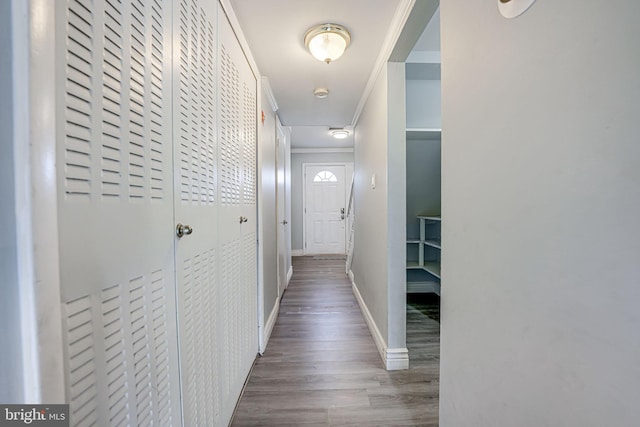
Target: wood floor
322,368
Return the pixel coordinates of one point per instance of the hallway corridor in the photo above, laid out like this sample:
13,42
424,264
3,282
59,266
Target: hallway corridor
322,368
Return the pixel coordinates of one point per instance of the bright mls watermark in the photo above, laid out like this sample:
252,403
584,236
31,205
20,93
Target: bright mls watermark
34,415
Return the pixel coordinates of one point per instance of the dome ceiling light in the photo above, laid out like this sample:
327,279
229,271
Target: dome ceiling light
327,42
514,8
339,133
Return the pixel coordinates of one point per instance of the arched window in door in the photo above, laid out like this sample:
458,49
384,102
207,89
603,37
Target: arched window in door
325,176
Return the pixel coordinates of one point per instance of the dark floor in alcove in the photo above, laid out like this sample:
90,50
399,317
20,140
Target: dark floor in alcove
427,304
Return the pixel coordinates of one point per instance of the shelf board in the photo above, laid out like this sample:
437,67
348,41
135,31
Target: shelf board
433,268
429,267
433,243
423,288
423,133
413,265
430,217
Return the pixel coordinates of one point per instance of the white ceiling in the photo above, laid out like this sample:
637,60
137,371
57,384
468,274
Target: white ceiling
274,30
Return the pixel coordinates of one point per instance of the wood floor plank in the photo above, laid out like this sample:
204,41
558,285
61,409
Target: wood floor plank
322,368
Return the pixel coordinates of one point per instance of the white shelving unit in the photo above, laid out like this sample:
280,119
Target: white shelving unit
423,134
431,267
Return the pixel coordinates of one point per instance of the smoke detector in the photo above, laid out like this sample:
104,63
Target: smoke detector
321,92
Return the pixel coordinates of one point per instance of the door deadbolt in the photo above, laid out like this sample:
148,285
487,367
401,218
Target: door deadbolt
182,230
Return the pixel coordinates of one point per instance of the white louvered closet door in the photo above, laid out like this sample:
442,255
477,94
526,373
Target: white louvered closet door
214,138
196,205
237,214
116,201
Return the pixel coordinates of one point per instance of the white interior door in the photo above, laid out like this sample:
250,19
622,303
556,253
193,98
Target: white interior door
237,217
115,201
325,209
283,223
215,172
196,209
156,117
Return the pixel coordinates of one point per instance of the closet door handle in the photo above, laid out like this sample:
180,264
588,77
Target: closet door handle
243,219
183,230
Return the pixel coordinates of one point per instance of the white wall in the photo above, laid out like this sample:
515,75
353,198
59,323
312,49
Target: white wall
424,104
423,182
397,219
379,250
540,207
297,184
11,356
267,203
30,328
371,206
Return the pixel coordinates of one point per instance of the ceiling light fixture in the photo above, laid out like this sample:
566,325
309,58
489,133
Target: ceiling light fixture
321,92
327,42
513,8
339,133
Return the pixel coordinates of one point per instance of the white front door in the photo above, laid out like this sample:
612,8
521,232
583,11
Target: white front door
325,209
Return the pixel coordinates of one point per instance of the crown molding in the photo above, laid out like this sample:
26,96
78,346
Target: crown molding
266,88
237,29
395,29
320,150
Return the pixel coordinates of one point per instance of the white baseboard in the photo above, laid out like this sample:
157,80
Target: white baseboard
397,359
271,322
297,252
393,358
289,274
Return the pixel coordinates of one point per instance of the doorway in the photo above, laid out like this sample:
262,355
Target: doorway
325,203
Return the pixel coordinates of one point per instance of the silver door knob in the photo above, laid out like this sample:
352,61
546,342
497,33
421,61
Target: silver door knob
182,230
